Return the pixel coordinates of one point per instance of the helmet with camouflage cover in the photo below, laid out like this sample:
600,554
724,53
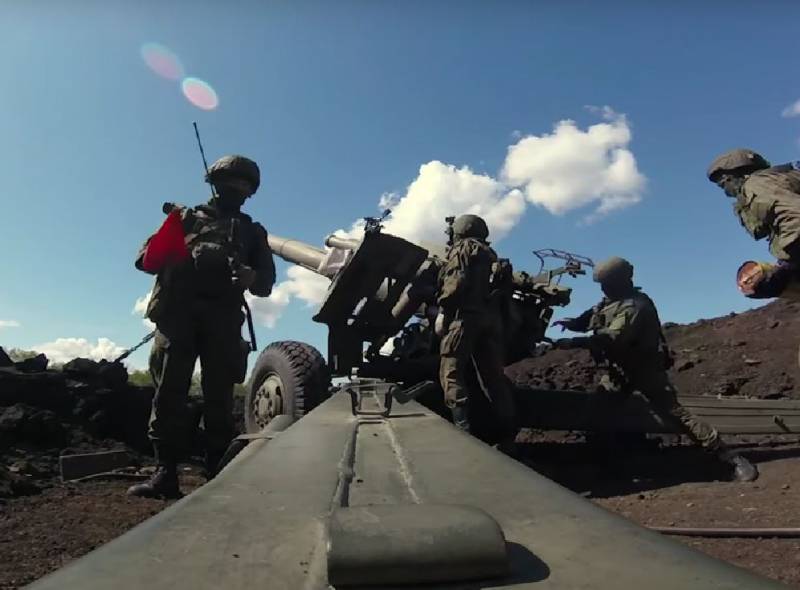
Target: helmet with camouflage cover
235,166
742,160
470,226
615,270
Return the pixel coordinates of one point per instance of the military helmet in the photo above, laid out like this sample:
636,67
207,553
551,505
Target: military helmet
741,159
235,166
614,270
470,226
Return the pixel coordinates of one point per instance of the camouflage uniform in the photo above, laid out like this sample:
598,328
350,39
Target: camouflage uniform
198,313
768,206
197,306
473,338
628,334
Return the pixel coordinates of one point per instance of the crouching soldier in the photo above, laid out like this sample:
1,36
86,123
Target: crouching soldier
627,332
471,332
197,304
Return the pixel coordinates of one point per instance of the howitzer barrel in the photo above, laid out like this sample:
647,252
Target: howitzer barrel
334,241
296,252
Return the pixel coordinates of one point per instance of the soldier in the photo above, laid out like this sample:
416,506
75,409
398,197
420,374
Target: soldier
196,305
627,332
470,329
767,203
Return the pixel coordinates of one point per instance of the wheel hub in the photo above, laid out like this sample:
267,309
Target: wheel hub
268,400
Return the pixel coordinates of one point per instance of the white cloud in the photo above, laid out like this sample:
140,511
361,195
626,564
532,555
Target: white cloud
62,350
793,110
572,168
9,324
441,190
301,283
140,308
568,169
388,201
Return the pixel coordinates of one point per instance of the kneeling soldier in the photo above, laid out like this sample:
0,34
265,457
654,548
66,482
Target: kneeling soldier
627,332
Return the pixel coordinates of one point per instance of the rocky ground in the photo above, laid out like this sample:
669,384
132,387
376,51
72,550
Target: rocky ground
40,533
680,486
45,523
769,502
84,407
752,354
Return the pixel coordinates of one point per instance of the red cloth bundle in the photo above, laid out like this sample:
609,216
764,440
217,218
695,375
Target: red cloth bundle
167,246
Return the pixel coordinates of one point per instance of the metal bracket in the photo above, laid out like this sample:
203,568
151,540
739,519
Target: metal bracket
363,388
357,395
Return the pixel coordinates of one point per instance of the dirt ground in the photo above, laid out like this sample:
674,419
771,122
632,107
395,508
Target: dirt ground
681,486
672,486
41,533
771,501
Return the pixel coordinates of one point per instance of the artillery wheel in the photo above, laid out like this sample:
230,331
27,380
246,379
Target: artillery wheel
288,378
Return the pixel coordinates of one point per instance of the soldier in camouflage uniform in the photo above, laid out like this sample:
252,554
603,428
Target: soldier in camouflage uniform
767,203
627,333
197,308
471,330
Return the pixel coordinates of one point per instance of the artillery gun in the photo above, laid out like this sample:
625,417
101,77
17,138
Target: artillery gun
380,310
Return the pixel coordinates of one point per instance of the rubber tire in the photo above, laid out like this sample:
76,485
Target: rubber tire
303,371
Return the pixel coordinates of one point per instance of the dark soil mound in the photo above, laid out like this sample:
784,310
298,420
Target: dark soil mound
752,354
87,406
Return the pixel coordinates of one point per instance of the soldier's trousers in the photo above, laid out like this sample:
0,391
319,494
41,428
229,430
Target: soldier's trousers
213,335
659,391
476,338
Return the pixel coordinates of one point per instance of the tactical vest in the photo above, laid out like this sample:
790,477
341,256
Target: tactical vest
215,249
215,246
649,347
474,295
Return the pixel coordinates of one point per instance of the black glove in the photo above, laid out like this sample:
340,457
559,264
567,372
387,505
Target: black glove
774,283
244,276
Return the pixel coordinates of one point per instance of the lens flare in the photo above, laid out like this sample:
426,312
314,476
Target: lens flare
162,61
200,94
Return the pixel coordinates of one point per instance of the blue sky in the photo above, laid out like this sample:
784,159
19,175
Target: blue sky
342,102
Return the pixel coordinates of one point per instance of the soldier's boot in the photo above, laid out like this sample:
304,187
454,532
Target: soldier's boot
460,417
163,484
743,470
